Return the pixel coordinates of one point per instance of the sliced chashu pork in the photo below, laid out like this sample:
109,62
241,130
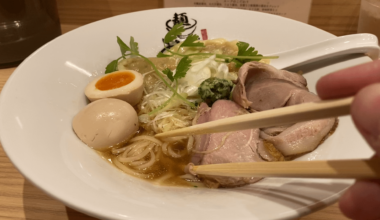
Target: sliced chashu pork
265,94
226,147
301,137
253,71
201,141
265,88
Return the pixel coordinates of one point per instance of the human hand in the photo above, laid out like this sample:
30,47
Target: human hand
362,200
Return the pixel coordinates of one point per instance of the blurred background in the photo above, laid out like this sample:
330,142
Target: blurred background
26,25
339,17
20,199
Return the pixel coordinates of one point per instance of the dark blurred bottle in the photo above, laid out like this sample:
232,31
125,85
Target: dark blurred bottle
26,25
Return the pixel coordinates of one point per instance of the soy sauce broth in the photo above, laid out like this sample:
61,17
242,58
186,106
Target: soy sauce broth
166,171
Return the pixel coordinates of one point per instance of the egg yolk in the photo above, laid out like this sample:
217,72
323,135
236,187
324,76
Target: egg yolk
114,81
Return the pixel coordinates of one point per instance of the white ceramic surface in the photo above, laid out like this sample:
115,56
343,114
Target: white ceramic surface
349,44
44,93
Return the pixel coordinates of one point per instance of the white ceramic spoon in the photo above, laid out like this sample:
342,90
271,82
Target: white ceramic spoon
349,44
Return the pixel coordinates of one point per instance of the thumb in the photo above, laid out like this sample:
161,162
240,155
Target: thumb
365,111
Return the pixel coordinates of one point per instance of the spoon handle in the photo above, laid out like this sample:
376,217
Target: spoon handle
349,44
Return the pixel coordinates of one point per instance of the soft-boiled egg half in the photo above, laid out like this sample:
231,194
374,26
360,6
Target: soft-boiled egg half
106,122
126,85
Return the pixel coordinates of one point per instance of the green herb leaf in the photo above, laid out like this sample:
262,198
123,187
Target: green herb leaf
111,67
237,62
123,47
182,67
134,46
190,41
245,50
160,54
168,73
176,30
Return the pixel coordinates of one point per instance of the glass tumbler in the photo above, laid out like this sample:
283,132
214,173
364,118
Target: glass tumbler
26,25
369,19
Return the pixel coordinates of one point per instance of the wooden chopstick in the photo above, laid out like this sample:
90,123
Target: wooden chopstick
269,118
358,169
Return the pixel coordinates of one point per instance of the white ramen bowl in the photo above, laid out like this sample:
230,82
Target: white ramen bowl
45,92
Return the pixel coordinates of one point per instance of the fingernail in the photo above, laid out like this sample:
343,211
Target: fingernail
365,111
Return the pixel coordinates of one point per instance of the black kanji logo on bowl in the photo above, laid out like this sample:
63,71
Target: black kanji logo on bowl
188,24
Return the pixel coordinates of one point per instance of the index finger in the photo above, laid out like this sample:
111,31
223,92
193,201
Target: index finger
348,82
